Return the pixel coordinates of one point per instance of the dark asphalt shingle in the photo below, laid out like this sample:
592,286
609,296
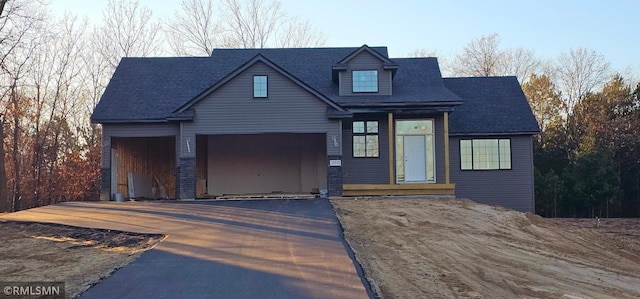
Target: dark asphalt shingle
491,105
152,89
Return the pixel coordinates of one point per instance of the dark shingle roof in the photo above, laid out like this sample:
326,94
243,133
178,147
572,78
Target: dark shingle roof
151,89
490,105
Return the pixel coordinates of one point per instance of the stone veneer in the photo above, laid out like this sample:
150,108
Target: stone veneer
187,178
334,178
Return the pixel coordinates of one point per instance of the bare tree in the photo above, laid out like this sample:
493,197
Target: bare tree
127,31
56,73
422,52
251,23
20,23
480,57
578,73
443,59
296,33
200,26
519,62
193,30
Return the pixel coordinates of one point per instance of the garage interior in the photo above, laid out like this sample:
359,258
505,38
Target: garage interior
261,164
151,157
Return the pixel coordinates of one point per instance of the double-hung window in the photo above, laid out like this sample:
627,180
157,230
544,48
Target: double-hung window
485,154
365,139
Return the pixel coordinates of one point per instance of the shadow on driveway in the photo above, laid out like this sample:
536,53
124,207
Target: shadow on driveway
226,249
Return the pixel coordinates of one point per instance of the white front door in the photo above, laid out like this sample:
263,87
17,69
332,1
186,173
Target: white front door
415,161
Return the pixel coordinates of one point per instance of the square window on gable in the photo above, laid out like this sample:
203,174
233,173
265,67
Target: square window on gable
365,81
259,86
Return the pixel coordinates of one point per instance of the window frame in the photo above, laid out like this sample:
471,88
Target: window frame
266,87
365,133
353,82
399,153
499,155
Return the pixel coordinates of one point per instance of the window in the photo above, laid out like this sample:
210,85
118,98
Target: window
365,81
485,154
259,86
365,139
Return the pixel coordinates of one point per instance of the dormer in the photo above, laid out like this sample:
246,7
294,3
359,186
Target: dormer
366,72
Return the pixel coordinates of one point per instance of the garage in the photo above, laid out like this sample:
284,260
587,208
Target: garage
266,164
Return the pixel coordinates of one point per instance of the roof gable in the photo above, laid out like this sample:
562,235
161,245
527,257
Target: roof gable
256,59
365,48
340,66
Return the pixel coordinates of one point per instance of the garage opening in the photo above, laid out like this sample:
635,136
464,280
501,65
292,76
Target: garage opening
146,164
266,164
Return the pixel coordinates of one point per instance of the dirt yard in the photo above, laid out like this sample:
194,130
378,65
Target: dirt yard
446,248
80,257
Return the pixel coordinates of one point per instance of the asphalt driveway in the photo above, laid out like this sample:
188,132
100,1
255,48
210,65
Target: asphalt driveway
222,249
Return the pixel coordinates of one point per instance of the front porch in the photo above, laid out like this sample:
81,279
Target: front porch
414,151
397,189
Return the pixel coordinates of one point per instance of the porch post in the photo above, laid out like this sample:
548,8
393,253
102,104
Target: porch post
446,147
392,177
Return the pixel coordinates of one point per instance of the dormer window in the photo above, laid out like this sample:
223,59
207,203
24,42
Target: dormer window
259,86
365,81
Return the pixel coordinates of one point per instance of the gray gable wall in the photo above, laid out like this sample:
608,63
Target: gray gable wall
364,61
231,109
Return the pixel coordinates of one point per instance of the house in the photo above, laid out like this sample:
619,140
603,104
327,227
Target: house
351,121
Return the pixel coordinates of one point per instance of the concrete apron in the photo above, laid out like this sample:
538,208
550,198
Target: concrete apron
226,249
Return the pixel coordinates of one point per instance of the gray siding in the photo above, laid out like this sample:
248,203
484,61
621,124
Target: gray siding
364,62
512,189
132,130
231,109
376,170
367,170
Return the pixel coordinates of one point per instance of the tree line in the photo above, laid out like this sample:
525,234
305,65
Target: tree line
53,70
587,156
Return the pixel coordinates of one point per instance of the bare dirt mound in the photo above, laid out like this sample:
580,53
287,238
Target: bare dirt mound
445,248
80,257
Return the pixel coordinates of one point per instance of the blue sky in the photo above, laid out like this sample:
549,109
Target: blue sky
611,28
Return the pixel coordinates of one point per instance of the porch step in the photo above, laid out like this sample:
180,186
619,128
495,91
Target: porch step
397,189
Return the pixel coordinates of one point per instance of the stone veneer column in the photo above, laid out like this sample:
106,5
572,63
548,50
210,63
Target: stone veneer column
334,177
187,178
